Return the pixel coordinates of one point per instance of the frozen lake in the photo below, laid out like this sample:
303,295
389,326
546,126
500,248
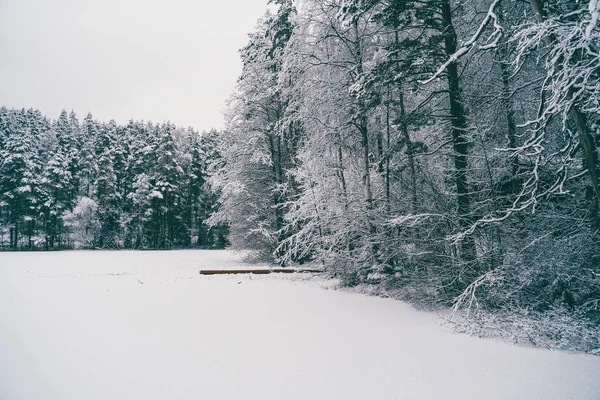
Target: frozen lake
146,325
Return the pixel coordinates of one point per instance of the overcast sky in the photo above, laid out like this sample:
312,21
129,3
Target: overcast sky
156,60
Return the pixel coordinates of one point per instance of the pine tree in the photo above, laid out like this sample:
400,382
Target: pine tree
106,190
19,169
58,184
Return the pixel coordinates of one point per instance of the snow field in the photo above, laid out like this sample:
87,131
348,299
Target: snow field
146,325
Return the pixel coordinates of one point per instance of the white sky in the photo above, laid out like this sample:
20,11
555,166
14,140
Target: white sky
156,60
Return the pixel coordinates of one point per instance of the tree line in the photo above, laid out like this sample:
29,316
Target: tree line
66,183
445,150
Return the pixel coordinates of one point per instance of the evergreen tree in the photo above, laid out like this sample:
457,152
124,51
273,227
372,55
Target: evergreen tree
19,169
106,190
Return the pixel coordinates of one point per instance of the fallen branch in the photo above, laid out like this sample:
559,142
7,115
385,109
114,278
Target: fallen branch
259,271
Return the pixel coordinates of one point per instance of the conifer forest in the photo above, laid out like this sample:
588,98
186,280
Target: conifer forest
71,184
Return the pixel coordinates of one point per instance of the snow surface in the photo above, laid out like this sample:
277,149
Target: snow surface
146,325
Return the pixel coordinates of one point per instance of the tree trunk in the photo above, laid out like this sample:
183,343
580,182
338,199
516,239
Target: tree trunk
590,161
507,103
363,126
387,148
341,174
274,146
459,125
410,149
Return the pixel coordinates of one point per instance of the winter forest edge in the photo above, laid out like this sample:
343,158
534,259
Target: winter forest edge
444,153
66,184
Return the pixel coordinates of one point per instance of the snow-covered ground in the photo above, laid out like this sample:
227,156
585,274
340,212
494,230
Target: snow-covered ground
146,325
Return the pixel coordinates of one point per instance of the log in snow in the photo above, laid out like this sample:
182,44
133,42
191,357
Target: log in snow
260,271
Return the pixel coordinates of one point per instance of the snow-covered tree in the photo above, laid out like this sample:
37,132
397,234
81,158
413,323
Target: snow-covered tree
19,177
446,149
259,141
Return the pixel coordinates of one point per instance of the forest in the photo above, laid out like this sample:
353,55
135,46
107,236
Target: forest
66,184
442,152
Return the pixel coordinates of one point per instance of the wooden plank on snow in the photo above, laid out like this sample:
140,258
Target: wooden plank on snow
258,271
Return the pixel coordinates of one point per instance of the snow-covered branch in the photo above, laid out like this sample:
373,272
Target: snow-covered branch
490,42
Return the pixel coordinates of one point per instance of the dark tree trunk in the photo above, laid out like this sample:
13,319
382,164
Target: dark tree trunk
363,125
410,149
459,126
